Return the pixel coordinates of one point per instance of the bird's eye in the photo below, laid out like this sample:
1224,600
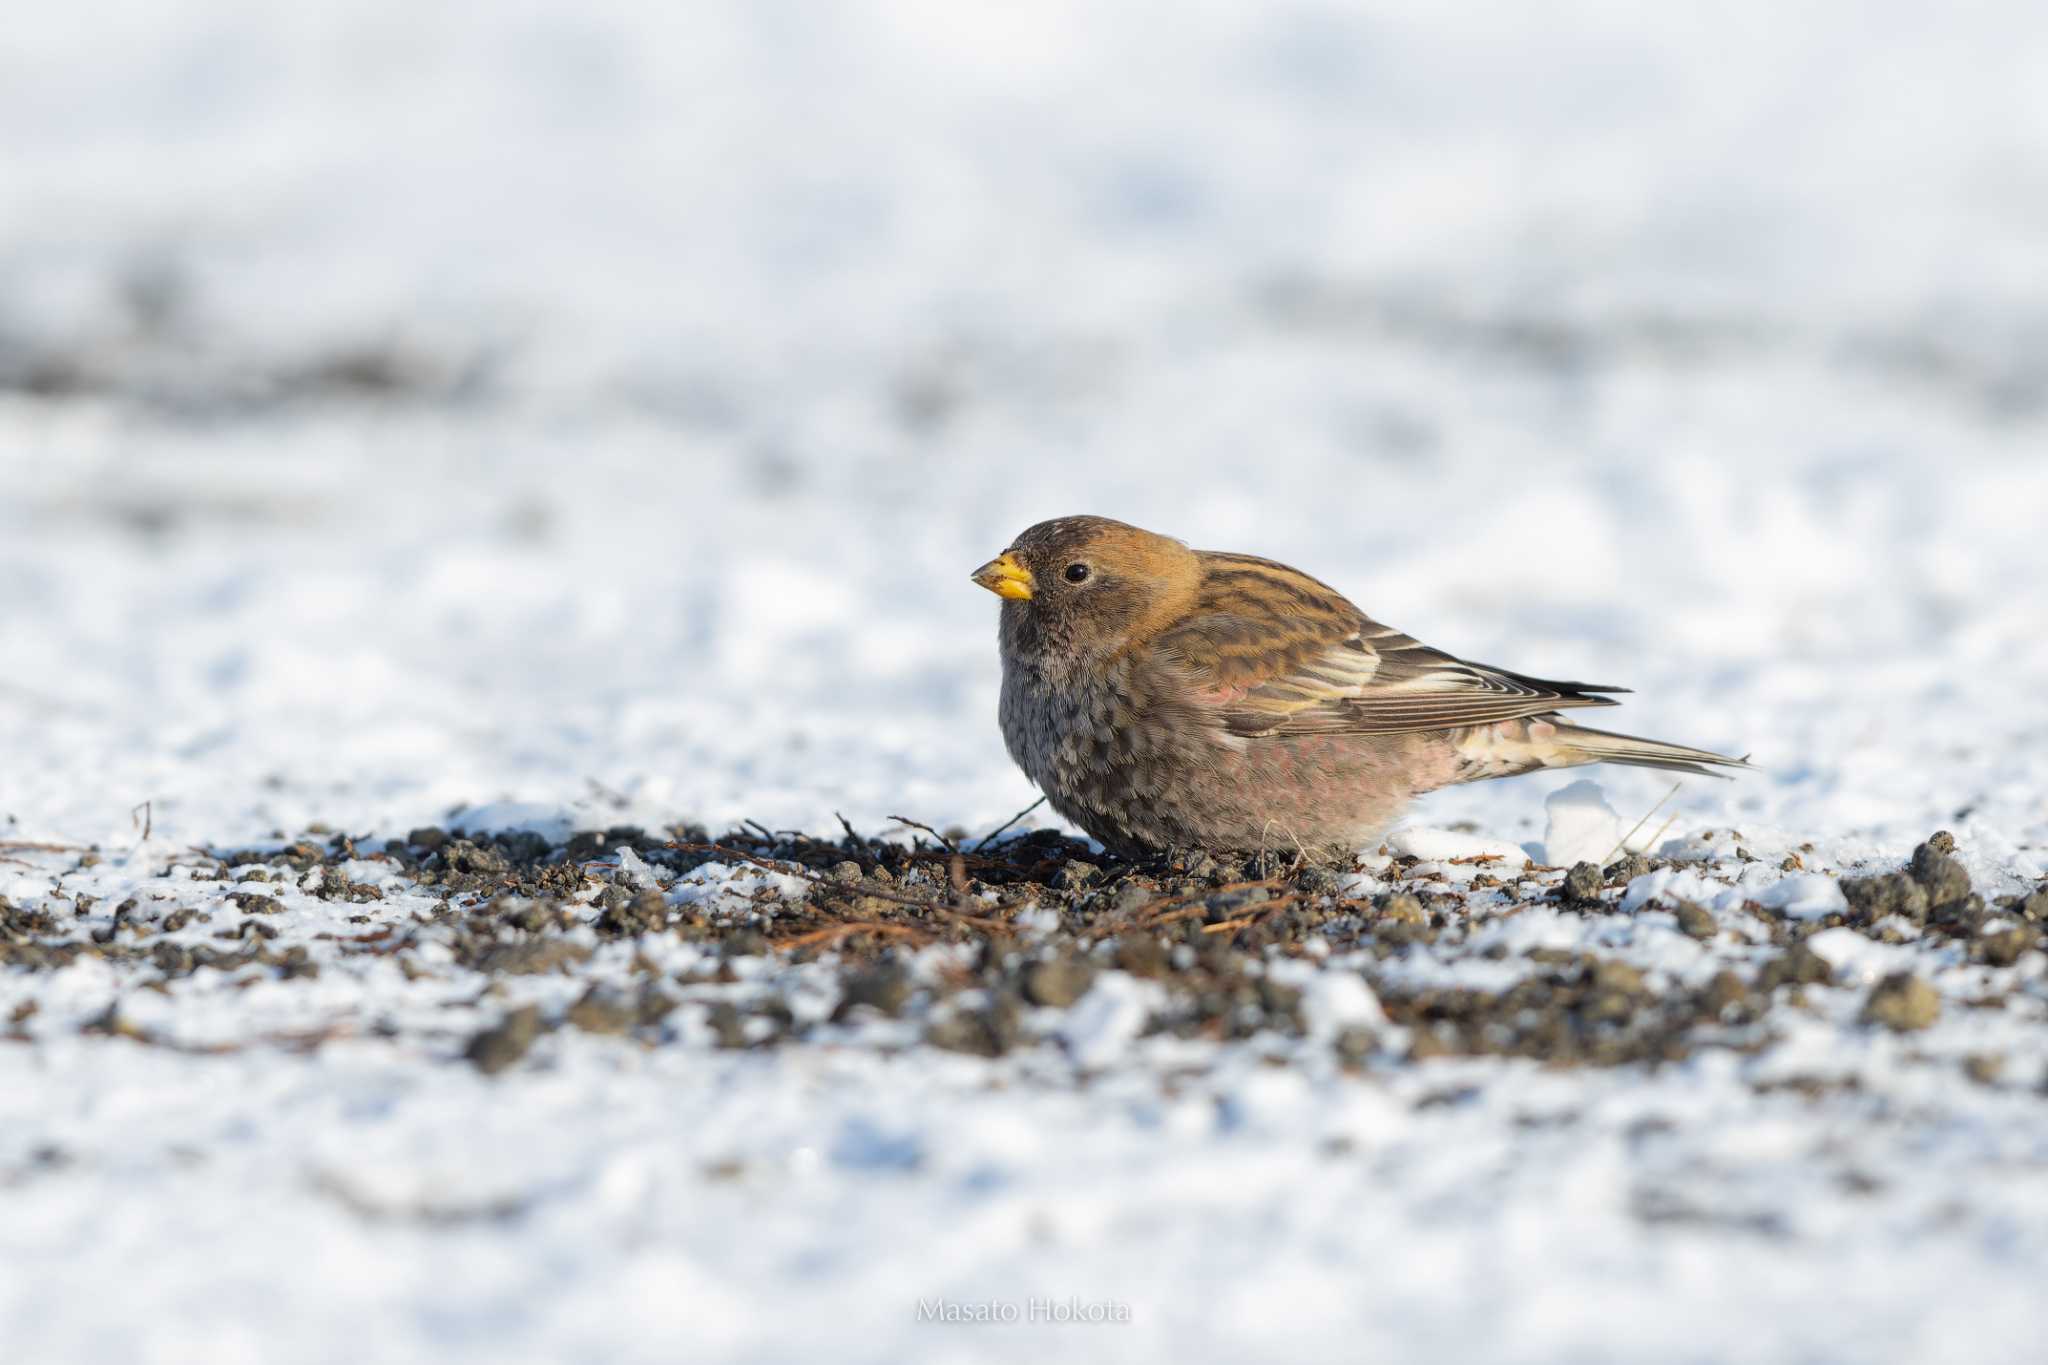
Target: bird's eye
1077,573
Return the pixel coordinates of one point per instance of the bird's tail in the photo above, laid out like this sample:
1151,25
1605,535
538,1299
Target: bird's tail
1523,746
1574,744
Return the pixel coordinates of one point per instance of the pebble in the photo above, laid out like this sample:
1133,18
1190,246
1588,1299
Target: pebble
499,1046
884,987
1695,920
1057,981
1903,1002
1582,884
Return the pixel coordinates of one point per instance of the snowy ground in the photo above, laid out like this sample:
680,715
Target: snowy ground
588,418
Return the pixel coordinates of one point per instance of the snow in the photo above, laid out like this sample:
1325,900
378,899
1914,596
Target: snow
1580,827
1675,884
1444,845
1804,897
1696,352
1857,958
1103,1025
1334,1001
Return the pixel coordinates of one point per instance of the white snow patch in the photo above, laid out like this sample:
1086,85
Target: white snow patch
1101,1025
1442,845
693,551
1856,958
1580,827
1331,1000
731,886
1804,896
1676,884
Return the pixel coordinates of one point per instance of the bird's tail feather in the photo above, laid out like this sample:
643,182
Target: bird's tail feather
1581,745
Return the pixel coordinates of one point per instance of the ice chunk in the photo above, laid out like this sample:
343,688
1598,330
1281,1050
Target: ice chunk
1582,827
635,870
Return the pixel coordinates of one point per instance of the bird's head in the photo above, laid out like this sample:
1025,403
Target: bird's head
1089,586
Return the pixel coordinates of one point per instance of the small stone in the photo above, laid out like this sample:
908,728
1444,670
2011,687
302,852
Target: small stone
1075,874
1057,982
532,957
172,960
463,856
1985,1068
1226,872
1941,841
1279,1000
646,913
1798,965
2006,946
847,872
1214,954
1726,992
1611,974
533,917
1582,884
2035,907
1317,880
1141,954
1354,1043
1224,905
726,1024
1941,875
1627,869
653,1006
1695,920
1963,916
1903,1002
602,1011
500,1046
1873,898
1399,907
428,837
884,987
986,1032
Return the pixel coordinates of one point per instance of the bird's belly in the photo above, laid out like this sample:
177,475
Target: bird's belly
1139,778
1314,792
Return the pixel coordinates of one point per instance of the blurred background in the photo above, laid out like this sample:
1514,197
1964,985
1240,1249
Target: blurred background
413,404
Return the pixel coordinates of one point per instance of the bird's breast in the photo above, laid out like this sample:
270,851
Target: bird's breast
1059,730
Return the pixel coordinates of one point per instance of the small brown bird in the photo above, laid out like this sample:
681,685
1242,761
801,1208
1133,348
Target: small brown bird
1164,697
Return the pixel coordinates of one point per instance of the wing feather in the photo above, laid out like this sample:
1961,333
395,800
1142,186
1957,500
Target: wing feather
1299,660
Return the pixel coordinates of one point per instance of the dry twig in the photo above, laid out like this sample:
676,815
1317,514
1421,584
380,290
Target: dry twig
1004,827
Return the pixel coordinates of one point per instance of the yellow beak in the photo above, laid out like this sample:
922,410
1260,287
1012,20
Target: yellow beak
1005,577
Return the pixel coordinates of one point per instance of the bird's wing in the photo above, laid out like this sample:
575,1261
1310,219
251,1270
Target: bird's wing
1264,669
